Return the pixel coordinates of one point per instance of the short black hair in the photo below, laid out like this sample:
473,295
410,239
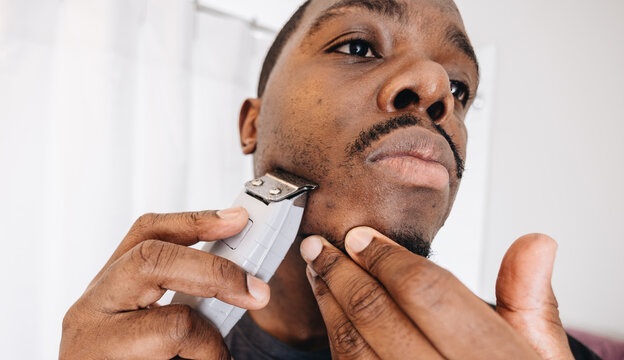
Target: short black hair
276,48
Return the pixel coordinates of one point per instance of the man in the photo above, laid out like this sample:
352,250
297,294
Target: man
367,98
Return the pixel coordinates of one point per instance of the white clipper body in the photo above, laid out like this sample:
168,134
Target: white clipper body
275,204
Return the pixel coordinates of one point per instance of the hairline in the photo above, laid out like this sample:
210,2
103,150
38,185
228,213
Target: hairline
389,8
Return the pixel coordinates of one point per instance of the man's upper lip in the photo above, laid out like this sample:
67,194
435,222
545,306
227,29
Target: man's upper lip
413,141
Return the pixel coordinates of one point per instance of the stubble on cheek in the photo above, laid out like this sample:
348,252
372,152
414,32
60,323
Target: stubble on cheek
295,149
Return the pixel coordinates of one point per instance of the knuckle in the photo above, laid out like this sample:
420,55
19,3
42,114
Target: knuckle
181,320
377,256
192,221
144,223
186,328
195,219
320,292
367,303
75,316
326,262
424,285
187,219
68,320
152,255
77,331
146,220
347,341
225,272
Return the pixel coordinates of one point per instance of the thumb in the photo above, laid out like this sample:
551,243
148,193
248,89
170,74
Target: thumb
525,299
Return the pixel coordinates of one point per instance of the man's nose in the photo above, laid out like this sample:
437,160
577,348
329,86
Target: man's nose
422,86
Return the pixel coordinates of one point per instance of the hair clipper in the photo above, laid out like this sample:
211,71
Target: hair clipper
275,204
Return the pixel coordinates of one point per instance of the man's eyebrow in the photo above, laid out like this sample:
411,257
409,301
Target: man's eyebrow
395,10
387,8
457,37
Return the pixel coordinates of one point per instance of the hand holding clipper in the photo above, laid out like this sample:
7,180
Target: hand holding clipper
275,204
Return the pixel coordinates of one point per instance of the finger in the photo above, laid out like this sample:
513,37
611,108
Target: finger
162,333
142,275
344,339
458,324
186,228
525,299
365,302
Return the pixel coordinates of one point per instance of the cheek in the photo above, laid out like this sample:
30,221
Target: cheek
462,142
294,136
305,128
293,149
464,133
458,132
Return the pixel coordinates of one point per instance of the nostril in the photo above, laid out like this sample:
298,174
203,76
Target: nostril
436,110
405,98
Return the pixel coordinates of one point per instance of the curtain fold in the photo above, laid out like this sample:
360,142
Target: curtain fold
108,109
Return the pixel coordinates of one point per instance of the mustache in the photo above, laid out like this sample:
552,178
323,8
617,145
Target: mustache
367,137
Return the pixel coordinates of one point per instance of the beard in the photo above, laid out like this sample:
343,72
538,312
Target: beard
409,239
412,242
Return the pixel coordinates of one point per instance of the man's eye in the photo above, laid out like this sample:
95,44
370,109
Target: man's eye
460,91
359,48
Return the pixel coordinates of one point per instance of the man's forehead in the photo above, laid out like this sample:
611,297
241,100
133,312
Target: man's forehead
404,12
394,8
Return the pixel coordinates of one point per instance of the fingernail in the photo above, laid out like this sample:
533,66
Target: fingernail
311,248
358,239
312,272
258,288
230,213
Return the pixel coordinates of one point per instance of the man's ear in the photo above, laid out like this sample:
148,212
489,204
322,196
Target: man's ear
247,125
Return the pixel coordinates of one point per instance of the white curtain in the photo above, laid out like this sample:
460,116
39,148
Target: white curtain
108,109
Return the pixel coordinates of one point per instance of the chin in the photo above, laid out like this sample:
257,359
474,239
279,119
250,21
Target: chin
411,218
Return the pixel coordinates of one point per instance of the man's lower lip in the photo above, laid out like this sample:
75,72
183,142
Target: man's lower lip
415,171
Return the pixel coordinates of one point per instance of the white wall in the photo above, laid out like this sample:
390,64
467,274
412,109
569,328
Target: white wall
556,150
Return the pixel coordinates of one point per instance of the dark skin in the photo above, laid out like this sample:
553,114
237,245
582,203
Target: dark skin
326,124
351,288
352,94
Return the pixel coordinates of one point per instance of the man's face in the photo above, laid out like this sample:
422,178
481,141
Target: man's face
368,99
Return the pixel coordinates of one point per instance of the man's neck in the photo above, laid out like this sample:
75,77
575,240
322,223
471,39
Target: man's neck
292,315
